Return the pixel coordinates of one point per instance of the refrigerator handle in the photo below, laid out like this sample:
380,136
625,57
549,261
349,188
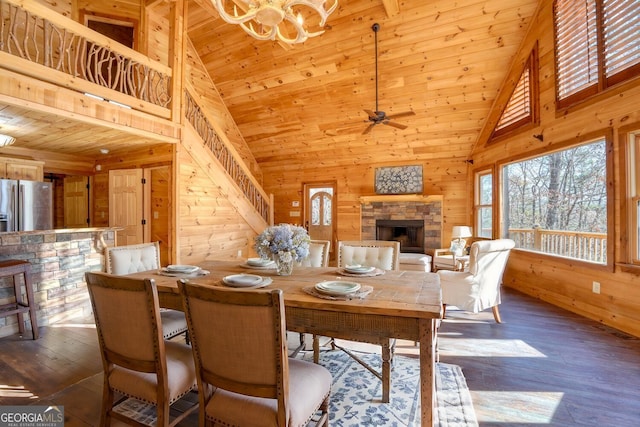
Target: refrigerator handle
15,207
21,208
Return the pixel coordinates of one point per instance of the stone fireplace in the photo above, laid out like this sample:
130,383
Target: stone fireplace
415,221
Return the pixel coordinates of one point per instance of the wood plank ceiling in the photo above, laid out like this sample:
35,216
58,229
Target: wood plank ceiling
444,60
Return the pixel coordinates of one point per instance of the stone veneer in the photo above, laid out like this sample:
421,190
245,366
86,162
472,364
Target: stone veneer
59,259
426,208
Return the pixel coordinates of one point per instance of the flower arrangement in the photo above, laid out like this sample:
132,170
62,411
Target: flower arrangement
283,242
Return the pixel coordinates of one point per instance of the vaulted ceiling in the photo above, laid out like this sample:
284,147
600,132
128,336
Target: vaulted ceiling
445,60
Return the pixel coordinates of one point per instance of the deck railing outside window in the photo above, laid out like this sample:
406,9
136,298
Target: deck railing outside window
573,244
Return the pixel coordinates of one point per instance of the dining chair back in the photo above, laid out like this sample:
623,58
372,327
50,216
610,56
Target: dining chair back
318,254
382,254
244,374
137,361
128,259
478,288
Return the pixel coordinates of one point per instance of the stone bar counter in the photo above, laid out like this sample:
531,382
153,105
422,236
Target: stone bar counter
59,259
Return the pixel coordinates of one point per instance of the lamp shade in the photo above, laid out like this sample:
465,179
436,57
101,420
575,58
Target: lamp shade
461,232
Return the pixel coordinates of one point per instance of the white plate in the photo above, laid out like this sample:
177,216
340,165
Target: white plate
337,287
259,262
359,269
185,269
242,280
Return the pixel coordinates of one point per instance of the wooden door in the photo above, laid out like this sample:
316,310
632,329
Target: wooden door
125,205
319,211
76,201
157,209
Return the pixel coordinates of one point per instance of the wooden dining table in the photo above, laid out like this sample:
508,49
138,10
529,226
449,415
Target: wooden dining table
401,304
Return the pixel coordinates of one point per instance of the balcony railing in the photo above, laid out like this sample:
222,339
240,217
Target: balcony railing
573,244
194,115
33,33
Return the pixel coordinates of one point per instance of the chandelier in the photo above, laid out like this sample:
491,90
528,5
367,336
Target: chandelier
275,19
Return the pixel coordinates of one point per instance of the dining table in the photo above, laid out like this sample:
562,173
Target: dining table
389,304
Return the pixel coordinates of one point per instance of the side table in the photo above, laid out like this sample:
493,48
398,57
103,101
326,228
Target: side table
16,268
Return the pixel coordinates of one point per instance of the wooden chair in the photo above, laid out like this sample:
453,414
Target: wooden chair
123,260
318,254
137,361
245,377
478,288
373,253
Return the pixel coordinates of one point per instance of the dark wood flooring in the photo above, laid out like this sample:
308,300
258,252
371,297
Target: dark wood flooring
542,367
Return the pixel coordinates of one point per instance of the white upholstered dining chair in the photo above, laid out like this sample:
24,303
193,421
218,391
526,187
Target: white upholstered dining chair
478,287
128,259
384,255
318,254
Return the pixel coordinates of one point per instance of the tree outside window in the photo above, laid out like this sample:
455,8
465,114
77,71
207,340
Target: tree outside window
483,204
557,203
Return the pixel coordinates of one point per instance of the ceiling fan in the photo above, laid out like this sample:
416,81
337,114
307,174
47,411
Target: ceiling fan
376,117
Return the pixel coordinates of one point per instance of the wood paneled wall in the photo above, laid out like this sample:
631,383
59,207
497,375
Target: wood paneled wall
445,178
565,283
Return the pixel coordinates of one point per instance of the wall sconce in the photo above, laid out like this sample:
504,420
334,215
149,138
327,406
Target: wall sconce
6,140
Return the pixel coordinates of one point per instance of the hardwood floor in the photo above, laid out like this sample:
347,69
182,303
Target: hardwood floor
542,367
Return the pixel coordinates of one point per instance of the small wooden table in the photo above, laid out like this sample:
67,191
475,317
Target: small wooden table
403,304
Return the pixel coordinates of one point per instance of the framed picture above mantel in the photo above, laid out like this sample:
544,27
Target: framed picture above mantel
399,180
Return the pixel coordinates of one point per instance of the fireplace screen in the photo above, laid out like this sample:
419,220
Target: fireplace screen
410,233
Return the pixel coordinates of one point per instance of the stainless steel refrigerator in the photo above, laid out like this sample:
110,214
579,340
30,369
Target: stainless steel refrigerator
25,205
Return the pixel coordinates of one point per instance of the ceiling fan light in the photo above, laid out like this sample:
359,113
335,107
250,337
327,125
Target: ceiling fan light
6,140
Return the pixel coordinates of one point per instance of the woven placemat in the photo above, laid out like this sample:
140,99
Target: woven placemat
360,294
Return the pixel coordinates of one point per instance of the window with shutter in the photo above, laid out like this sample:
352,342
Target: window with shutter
521,108
596,46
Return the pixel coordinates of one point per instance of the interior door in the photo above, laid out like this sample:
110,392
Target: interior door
125,205
319,211
76,201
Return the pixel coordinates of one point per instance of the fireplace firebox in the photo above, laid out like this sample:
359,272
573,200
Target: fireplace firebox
410,233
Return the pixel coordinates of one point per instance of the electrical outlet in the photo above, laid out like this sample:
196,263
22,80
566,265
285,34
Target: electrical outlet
596,287
239,253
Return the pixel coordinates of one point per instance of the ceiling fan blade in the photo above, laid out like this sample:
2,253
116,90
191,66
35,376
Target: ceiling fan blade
395,124
405,114
368,128
372,114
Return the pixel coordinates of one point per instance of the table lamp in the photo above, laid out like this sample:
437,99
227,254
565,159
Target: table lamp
458,242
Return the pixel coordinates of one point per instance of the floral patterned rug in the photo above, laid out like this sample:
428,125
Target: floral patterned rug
356,394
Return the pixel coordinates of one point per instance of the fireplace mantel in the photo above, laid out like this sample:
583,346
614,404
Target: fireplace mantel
391,198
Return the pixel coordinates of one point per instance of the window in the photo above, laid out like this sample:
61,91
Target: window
522,106
484,204
557,203
597,46
632,149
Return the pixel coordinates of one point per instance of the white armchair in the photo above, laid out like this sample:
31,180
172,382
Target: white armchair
478,288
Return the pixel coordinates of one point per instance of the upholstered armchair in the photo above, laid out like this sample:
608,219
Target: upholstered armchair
478,287
128,259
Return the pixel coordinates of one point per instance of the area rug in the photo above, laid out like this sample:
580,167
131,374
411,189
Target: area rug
356,393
